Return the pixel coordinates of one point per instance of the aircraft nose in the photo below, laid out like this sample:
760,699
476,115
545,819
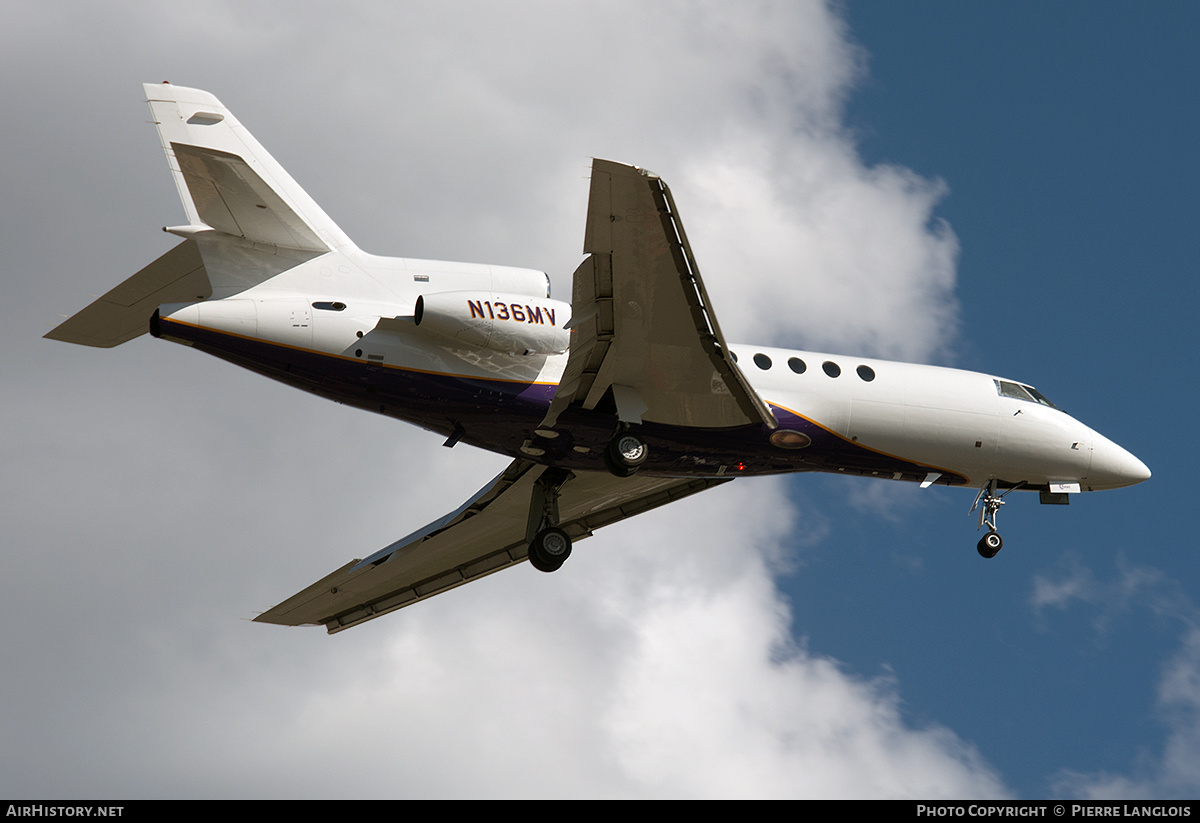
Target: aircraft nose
1113,466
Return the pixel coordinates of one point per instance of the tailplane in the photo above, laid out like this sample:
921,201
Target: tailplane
125,311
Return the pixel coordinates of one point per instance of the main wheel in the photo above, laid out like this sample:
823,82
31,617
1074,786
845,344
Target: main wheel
549,549
625,454
990,544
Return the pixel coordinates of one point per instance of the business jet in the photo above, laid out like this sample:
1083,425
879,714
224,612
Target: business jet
627,398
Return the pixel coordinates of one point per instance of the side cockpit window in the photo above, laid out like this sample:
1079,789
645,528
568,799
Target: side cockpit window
1018,391
1039,397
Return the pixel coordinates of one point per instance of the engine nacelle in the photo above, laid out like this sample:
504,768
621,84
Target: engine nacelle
500,322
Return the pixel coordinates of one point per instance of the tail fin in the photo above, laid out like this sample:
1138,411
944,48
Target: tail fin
229,184
228,181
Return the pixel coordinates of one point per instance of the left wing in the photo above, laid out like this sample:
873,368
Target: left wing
488,533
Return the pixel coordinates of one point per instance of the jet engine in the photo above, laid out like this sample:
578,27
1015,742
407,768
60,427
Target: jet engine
500,322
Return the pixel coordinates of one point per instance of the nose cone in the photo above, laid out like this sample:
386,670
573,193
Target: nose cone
1113,467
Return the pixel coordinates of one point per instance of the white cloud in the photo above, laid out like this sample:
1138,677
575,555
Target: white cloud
715,700
801,240
657,664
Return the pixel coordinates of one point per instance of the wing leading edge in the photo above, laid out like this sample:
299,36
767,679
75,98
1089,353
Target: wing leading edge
488,533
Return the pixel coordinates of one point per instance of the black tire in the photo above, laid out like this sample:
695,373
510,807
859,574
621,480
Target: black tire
990,544
625,454
549,549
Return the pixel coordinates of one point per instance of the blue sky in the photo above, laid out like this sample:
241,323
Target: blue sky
1065,139
1001,187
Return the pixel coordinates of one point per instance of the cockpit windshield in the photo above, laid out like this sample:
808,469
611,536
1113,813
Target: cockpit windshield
1022,392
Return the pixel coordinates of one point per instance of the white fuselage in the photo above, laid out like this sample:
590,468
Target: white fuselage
359,308
941,417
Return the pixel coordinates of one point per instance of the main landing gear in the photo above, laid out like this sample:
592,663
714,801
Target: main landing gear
989,503
549,546
625,453
549,549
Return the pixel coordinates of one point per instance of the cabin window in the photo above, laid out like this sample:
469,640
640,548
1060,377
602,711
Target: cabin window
866,373
830,368
762,361
797,365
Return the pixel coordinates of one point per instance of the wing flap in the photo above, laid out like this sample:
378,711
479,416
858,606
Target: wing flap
488,533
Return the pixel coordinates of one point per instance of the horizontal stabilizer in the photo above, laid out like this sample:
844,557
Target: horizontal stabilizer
125,311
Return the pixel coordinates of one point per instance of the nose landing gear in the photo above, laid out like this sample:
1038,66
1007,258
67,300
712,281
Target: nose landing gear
989,503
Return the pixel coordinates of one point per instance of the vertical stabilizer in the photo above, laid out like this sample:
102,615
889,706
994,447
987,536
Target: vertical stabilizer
228,182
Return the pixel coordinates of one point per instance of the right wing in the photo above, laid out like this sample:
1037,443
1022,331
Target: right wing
643,330
486,534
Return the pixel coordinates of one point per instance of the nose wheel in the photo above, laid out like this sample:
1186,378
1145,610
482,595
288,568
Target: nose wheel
990,544
988,503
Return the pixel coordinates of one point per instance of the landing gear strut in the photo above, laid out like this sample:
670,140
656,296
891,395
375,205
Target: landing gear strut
549,546
991,543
